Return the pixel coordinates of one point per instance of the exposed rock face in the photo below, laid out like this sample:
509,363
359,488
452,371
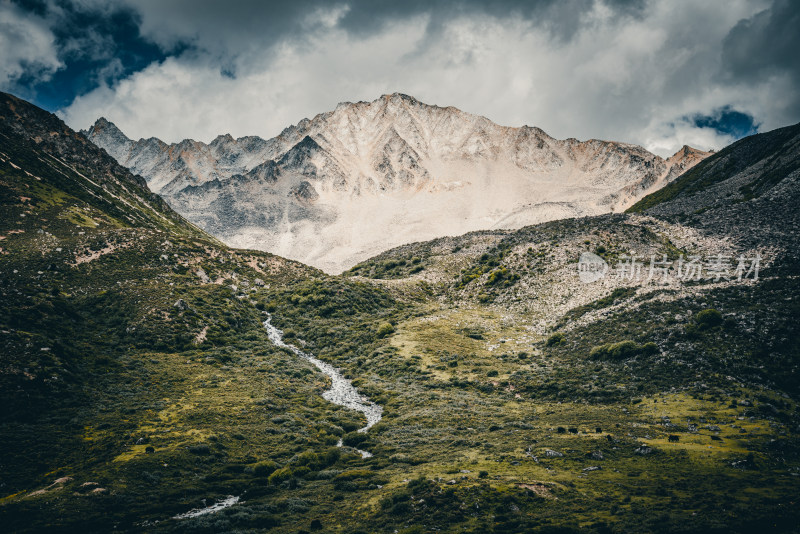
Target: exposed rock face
339,188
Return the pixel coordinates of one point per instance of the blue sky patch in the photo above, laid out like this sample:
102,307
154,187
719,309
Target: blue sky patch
728,121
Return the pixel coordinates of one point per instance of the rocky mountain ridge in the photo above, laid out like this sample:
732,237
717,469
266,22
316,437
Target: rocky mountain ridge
349,183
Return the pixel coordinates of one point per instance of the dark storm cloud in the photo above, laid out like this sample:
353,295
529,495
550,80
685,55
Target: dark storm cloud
764,46
100,42
563,19
661,74
234,27
272,21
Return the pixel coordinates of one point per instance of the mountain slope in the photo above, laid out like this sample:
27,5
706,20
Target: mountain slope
689,362
343,186
746,192
48,164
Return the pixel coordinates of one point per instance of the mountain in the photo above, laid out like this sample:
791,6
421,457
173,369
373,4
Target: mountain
347,184
144,388
692,361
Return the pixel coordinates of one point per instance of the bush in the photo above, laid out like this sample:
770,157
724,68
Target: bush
301,471
385,329
284,473
354,439
708,318
332,456
315,461
555,339
502,275
483,474
265,468
309,458
201,448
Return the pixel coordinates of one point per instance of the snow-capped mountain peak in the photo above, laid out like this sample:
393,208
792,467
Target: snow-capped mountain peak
348,183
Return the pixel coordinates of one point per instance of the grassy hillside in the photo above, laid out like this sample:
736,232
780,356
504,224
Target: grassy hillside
713,363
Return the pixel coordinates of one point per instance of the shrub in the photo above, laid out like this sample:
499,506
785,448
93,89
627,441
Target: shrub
385,329
483,474
502,275
284,473
555,339
315,461
200,448
309,458
708,318
265,468
354,439
332,456
300,471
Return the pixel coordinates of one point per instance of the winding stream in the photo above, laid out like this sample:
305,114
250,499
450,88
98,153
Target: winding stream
341,392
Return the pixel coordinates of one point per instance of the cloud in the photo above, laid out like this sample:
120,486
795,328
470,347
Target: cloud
237,26
28,48
762,51
83,43
629,71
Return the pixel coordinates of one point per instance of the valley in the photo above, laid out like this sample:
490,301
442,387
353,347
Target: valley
140,381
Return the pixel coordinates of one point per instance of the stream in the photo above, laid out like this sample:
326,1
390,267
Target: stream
341,392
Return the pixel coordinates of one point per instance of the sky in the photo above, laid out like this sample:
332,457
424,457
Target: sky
660,74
